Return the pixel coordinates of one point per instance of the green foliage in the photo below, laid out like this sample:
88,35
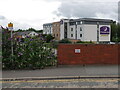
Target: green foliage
31,29
33,53
6,47
115,32
39,31
65,41
49,37
55,44
90,42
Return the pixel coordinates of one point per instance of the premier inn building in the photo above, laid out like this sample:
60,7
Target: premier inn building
83,29
86,29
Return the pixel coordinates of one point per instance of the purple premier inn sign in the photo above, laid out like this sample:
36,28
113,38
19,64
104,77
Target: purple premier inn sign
104,30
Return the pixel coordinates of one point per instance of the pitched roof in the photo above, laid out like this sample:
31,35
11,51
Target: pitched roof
24,33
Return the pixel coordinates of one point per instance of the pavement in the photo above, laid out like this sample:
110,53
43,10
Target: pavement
64,71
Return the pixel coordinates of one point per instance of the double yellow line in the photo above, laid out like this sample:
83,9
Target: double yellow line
61,80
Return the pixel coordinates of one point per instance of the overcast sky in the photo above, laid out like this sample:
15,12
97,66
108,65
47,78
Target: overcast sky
34,13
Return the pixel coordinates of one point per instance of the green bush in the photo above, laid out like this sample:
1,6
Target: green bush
33,53
85,42
54,44
65,41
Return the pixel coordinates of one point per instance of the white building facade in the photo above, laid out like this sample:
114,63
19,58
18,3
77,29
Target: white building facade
86,29
47,28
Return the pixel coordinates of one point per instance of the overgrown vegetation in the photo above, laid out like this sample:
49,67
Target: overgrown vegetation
33,53
115,32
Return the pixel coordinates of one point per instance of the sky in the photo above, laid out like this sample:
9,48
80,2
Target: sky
25,14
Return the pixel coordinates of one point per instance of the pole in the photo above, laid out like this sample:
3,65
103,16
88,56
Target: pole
11,43
10,26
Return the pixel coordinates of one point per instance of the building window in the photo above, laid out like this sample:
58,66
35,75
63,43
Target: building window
80,29
80,35
71,29
71,35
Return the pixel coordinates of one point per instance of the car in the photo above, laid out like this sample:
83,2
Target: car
112,42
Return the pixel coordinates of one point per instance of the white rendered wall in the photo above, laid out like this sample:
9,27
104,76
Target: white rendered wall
33,34
90,32
71,32
80,32
47,30
61,31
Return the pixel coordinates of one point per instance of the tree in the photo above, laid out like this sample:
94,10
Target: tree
6,47
118,32
49,37
115,32
31,29
39,31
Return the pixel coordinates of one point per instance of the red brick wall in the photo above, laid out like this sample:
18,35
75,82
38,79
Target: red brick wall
119,53
90,54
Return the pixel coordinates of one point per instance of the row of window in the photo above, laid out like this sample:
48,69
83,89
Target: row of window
56,25
57,30
80,29
55,35
47,26
88,22
80,35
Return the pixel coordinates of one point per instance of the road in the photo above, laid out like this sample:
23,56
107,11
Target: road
63,71
63,83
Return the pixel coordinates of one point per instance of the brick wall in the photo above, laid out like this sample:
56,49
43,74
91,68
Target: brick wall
119,53
89,54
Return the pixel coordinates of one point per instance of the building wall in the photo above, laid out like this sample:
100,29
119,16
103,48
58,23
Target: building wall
72,32
80,32
90,32
89,54
47,29
56,30
61,31
33,34
62,28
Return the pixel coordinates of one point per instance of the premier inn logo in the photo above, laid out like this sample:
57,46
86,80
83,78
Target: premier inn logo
61,22
104,30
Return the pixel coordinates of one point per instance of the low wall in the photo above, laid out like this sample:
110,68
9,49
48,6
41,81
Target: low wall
76,54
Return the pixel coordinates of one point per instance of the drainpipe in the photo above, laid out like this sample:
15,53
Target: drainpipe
97,32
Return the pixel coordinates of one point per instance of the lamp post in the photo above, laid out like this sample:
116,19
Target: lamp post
10,27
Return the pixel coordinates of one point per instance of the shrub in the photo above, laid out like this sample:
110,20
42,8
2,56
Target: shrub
33,53
85,42
65,41
54,44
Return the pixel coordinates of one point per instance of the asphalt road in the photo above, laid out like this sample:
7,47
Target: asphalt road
88,70
66,83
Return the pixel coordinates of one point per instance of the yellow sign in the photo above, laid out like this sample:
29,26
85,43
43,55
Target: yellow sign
10,25
103,35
